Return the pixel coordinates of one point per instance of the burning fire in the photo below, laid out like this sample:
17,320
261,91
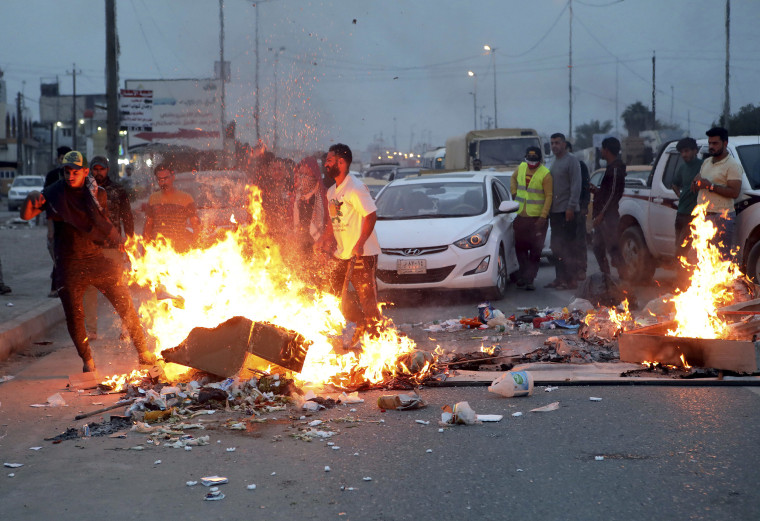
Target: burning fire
696,308
119,382
243,274
619,318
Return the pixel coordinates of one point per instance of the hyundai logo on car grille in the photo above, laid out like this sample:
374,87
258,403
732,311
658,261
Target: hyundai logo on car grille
411,252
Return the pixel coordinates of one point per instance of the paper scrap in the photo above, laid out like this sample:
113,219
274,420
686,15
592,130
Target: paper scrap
547,408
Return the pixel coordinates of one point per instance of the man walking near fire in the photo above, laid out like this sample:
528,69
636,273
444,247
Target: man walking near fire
531,186
719,182
169,211
353,214
79,209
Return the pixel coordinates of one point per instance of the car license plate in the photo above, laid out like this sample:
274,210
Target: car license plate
411,266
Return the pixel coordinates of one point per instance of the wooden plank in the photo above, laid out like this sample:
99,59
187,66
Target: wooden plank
651,344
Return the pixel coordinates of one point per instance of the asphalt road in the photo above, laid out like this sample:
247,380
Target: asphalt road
668,452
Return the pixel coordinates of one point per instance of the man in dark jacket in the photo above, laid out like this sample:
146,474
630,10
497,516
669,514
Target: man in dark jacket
78,209
605,209
56,174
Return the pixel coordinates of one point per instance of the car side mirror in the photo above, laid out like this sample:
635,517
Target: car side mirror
508,206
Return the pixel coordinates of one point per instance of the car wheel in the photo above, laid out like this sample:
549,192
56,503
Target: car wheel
638,264
752,268
499,290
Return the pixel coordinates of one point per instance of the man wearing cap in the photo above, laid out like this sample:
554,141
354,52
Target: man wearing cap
56,174
120,215
531,186
169,211
78,209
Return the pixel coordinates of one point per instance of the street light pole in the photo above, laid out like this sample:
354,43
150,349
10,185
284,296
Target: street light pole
276,62
492,50
474,100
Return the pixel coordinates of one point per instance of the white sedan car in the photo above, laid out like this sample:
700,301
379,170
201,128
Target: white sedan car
447,231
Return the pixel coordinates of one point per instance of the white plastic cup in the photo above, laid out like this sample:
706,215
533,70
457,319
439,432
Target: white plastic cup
513,384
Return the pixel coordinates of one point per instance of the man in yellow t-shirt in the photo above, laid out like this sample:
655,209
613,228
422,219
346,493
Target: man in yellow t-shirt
169,211
719,183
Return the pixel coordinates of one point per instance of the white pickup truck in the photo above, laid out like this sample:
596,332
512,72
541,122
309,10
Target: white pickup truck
647,214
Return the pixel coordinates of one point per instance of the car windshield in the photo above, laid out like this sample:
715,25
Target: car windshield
217,191
637,176
749,155
379,173
27,181
511,151
431,200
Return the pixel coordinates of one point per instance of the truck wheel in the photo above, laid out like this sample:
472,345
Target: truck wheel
638,264
752,269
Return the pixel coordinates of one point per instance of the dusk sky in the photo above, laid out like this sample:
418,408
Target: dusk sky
400,71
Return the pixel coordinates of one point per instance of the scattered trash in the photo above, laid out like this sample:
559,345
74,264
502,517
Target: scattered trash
327,469
157,462
252,486
191,483
311,406
550,388
273,474
580,304
13,465
401,402
463,414
315,423
599,458
516,414
513,384
214,495
367,478
422,422
351,398
595,399
335,447
55,400
440,430
213,480
12,475
35,448
230,449
489,417
6,378
429,451
547,408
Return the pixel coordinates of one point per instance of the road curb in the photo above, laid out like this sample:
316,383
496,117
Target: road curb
24,329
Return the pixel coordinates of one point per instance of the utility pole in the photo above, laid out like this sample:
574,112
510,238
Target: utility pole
74,122
671,104
257,109
112,90
222,75
654,89
474,100
492,50
617,94
727,99
19,135
570,74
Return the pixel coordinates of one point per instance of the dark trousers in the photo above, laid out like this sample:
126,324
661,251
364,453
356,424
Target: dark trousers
75,276
562,244
362,277
580,246
683,234
606,241
529,242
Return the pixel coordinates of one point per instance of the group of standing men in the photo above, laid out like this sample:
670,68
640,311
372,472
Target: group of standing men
559,196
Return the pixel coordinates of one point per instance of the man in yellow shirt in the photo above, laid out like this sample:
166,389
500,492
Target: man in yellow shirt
719,183
531,186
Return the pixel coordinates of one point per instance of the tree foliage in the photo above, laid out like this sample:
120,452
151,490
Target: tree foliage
746,122
584,134
637,117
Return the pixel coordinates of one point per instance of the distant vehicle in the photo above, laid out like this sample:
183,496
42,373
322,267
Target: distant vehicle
378,175
636,177
402,173
499,148
20,187
220,197
447,231
434,159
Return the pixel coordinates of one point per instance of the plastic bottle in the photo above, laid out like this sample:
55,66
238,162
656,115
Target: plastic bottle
513,384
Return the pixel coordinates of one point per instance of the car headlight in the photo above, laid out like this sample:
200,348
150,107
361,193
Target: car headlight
475,240
13,193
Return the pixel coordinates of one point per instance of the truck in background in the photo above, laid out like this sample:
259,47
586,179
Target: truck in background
434,159
501,149
647,214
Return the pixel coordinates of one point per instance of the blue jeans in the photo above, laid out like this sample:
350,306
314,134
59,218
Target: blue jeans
725,232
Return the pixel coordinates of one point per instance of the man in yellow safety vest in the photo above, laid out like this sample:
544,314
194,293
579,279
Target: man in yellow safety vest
531,186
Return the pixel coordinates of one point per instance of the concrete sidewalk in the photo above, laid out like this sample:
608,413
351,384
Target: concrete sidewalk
27,313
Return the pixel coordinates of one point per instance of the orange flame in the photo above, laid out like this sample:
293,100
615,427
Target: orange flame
243,273
696,308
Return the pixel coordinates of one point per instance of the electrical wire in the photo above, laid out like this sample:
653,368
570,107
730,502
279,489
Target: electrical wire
147,43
